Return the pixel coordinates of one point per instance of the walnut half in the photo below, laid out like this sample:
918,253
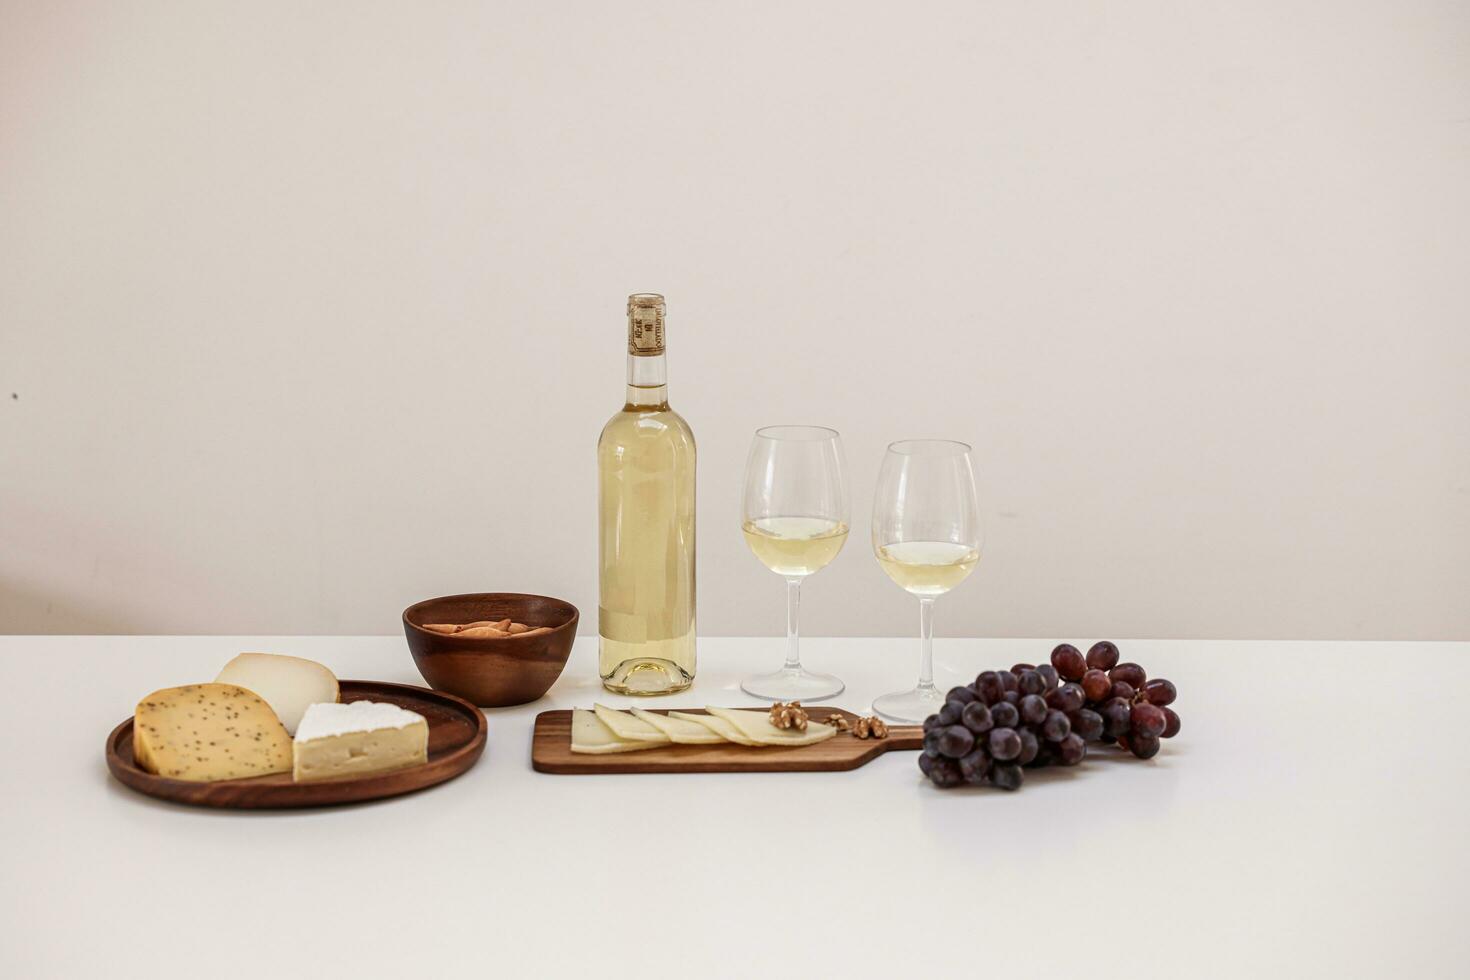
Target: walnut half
872,727
791,715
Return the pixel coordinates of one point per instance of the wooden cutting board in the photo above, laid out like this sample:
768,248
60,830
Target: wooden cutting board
551,750
456,740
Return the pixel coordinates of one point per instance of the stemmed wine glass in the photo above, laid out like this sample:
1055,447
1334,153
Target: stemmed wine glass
926,533
795,520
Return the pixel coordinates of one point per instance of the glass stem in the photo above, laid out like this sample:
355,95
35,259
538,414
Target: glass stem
793,631
926,644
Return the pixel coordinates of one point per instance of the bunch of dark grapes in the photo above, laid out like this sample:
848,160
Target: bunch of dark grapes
1135,710
1008,719
1033,716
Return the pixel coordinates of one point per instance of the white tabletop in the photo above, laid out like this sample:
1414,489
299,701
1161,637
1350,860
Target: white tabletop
1310,820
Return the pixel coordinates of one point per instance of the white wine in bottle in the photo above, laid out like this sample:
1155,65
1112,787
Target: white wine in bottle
645,473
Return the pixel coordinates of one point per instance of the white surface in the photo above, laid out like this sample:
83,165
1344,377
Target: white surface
1309,821
313,310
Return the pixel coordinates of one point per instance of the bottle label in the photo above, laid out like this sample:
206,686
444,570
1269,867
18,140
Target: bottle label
645,329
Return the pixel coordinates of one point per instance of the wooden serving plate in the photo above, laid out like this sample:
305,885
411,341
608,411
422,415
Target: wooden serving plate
551,750
456,739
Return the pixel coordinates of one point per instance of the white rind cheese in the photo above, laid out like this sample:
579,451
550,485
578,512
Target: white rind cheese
287,684
627,727
590,736
357,738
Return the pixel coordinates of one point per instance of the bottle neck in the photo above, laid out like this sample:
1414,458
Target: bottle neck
648,383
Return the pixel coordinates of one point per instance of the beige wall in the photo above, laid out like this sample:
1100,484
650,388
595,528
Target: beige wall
311,310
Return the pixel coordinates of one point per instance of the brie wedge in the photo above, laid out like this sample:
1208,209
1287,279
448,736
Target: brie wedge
680,731
287,684
356,738
591,736
719,726
756,726
626,727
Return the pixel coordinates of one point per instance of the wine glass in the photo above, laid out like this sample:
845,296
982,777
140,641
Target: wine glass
795,520
926,533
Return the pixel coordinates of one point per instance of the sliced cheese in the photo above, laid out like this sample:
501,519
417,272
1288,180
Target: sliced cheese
756,726
357,738
288,684
679,730
592,737
207,732
719,726
628,728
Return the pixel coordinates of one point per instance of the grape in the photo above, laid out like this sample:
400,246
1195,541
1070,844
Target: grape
1148,719
1032,683
950,713
1030,746
987,685
974,766
1009,681
1103,655
1013,697
1117,717
1143,746
1005,715
1088,724
930,723
1004,743
931,740
926,761
1006,775
1056,726
955,741
1095,685
1069,698
961,694
1033,709
1071,750
1124,690
1160,692
1129,674
1069,662
1049,674
945,773
976,717
1020,669
1171,723
1106,739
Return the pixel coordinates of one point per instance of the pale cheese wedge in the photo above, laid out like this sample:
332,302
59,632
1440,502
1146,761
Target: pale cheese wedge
756,726
679,730
288,684
628,728
719,726
591,737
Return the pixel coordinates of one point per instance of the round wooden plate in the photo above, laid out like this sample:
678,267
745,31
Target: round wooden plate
456,740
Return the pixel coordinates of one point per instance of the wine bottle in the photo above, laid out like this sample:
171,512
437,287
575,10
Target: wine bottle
645,472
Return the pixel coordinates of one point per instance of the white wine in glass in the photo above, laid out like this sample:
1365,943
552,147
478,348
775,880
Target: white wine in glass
795,522
926,534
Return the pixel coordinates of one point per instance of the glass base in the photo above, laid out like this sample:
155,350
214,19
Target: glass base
910,707
793,684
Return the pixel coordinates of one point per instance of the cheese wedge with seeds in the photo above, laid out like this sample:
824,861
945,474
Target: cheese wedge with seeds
591,737
719,726
680,731
207,732
756,726
628,728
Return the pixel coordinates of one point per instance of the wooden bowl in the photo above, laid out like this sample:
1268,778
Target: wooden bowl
496,671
